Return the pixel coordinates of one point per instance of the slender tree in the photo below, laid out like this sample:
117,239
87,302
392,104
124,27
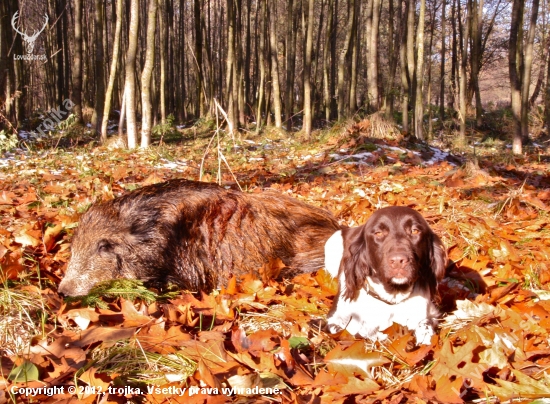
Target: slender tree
146,74
372,53
327,95
292,17
97,115
476,12
519,65
76,96
277,107
405,77
419,71
113,71
163,46
442,59
344,52
308,113
463,79
262,16
130,81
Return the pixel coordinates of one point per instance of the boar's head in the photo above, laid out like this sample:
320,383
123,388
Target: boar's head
116,239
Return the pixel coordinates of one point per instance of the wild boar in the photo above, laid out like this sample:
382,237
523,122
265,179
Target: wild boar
196,235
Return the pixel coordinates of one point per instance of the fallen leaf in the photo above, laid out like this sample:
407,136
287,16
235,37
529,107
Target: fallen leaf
354,360
458,361
523,387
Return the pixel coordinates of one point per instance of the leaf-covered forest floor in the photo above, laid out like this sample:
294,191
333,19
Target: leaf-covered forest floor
492,344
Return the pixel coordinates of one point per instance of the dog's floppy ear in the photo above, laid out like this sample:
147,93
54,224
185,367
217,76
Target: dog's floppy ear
438,261
355,262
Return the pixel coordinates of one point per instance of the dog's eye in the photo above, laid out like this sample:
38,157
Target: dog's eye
378,234
415,231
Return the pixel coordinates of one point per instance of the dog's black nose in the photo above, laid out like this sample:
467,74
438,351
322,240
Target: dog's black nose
398,260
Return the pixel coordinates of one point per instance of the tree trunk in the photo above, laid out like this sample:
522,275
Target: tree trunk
198,56
333,64
130,80
527,68
248,78
327,98
454,54
146,74
163,42
547,91
277,109
430,65
76,96
411,11
542,71
308,118
463,67
262,16
290,62
442,65
342,61
354,62
419,102
476,12
519,66
230,75
97,116
405,78
112,74
392,42
372,56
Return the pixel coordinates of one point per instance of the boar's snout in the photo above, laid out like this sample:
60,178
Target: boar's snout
73,287
66,287
76,281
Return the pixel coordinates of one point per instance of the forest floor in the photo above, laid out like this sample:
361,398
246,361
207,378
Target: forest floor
266,342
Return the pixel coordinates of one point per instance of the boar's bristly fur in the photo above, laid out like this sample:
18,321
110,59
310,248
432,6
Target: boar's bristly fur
196,235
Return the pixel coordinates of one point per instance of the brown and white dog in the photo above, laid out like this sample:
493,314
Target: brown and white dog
388,271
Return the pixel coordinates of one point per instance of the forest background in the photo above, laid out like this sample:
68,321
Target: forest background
293,64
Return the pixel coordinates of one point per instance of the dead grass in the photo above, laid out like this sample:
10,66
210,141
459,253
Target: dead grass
20,320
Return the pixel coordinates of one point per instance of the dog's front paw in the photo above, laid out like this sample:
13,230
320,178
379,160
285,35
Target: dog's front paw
334,328
424,333
336,323
378,336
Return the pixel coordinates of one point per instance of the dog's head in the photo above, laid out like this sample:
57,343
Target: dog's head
395,248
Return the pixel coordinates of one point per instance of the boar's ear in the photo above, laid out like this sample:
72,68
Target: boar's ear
142,226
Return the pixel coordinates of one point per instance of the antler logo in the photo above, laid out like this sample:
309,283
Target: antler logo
29,40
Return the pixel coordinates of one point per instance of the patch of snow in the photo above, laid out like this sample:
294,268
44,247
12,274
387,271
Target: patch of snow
171,165
361,156
439,155
395,148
